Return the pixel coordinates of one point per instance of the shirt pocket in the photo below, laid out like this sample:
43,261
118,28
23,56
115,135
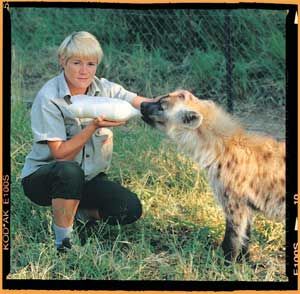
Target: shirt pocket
72,128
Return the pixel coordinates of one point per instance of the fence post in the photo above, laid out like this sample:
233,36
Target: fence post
228,57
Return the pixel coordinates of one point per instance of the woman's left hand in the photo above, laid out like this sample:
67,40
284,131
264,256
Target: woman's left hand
101,122
138,100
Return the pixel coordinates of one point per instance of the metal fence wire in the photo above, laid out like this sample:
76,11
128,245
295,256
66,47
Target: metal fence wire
224,55
229,56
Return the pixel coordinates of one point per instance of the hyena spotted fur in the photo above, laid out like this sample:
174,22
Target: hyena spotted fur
246,171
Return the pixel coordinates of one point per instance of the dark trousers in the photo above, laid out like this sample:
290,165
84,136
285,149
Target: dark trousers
65,179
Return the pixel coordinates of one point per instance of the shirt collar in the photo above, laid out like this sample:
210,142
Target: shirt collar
64,90
94,89
63,86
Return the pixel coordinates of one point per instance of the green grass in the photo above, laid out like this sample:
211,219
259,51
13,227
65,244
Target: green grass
177,238
153,52
179,234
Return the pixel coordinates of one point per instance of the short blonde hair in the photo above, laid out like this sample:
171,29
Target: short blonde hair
80,44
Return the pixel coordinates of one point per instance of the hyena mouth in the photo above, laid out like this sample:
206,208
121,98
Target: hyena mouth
151,113
152,120
148,120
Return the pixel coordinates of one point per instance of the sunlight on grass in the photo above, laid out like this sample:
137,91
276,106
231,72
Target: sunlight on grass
177,238
179,234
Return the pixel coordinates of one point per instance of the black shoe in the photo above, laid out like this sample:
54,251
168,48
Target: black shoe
65,246
85,230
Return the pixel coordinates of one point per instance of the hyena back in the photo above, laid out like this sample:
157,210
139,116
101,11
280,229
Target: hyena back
246,171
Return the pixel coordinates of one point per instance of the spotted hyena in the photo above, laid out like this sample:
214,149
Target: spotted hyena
246,171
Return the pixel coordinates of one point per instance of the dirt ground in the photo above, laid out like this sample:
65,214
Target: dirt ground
268,120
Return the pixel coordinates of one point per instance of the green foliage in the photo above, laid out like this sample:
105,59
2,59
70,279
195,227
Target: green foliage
206,70
157,51
176,239
182,227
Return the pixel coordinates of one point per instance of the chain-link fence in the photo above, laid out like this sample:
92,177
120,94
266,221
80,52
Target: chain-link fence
225,55
218,54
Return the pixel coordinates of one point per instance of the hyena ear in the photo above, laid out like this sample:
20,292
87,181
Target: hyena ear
191,119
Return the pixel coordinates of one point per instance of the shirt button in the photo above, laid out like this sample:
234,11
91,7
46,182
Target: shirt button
87,156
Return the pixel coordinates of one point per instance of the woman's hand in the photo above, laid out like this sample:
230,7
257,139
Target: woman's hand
67,150
101,122
138,100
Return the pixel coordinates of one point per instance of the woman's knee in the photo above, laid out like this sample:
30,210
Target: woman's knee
68,180
68,170
128,213
135,209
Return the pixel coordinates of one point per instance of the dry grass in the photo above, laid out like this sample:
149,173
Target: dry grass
177,238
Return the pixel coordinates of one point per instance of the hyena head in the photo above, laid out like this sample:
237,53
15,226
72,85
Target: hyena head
175,110
180,111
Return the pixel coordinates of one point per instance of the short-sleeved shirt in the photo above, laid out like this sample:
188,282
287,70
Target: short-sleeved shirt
52,121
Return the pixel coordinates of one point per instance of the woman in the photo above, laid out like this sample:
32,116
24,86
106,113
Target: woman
66,166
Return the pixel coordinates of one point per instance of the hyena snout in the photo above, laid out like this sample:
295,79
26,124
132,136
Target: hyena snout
152,113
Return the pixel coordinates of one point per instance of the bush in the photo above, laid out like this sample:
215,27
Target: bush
157,51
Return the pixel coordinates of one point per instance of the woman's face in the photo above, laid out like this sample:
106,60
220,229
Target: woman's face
79,73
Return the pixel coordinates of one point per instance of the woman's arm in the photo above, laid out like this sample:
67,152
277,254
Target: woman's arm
138,100
67,150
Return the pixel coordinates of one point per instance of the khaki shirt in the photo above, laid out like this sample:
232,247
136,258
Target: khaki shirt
52,121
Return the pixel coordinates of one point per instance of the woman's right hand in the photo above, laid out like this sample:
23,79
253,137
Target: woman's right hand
67,150
101,122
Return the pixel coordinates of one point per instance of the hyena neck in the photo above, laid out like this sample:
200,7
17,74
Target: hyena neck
203,152
219,131
214,135
208,142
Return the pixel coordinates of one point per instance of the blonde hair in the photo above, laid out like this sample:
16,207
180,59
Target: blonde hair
80,44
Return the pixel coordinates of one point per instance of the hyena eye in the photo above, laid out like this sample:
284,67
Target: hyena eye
163,104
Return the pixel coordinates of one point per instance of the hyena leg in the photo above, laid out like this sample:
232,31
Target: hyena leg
245,254
230,241
237,233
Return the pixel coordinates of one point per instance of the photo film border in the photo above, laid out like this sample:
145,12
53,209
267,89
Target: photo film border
6,123
292,133
291,147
